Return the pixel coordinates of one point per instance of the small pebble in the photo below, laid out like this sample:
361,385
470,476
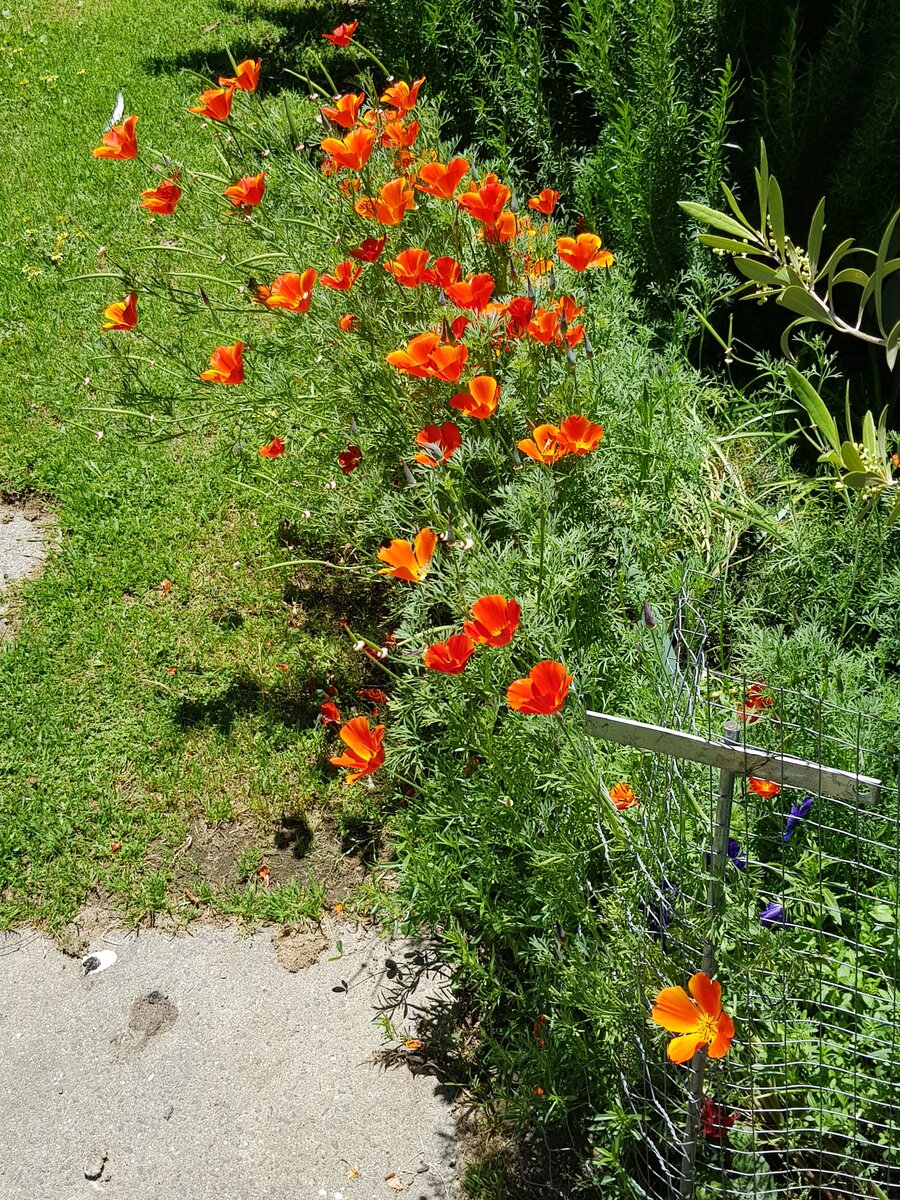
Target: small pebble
94,1162
168,1111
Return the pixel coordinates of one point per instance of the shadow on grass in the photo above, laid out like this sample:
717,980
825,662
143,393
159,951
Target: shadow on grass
242,696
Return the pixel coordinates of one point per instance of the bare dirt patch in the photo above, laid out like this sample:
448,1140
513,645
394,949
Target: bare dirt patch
26,535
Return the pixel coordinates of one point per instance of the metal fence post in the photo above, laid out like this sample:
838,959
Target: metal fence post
718,860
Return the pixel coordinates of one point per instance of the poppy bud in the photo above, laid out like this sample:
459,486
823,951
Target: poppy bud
529,288
588,347
441,298
408,475
203,296
649,619
513,201
353,430
570,356
551,280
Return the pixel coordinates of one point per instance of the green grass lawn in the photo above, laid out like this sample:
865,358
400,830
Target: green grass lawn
133,718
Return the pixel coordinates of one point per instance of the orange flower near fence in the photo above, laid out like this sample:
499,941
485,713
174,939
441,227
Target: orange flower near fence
583,252
494,621
544,202
443,440
342,34
449,657
481,399
352,151
402,96
291,291
246,76
162,199
274,449
699,1024
345,109
763,787
119,142
388,208
344,277
248,191
440,179
543,691
409,562
226,365
622,795
121,314
364,753
215,103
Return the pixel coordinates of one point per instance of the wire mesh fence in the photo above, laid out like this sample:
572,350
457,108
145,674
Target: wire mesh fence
804,935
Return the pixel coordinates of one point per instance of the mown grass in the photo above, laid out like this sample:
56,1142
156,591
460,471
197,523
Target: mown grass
133,717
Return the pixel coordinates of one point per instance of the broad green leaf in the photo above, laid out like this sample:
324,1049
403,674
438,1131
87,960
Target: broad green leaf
709,216
816,229
786,335
838,253
869,437
776,213
762,185
880,262
851,275
733,247
815,406
852,460
733,205
757,271
857,480
798,300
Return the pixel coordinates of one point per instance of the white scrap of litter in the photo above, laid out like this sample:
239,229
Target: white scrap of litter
117,112
92,964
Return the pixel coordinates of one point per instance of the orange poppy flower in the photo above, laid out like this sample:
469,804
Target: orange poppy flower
578,435
344,277
438,179
349,459
394,199
622,795
507,229
414,359
364,753
353,150
447,362
368,250
755,702
119,142
486,202
161,199
402,96
544,326
248,191
348,322
274,449
543,445
291,291
215,104
544,202
330,713
122,314
518,313
342,34
583,252
445,272
494,621
449,657
763,787
399,136
700,1024
246,76
409,562
474,293
543,691
444,439
226,365
481,399
346,109
408,268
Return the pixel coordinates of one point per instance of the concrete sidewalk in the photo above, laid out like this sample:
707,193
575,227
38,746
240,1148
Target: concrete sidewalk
198,1068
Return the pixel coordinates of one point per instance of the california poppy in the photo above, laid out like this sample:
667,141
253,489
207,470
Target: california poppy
290,291
543,445
543,691
409,267
353,150
119,142
330,713
161,199
344,277
544,326
414,359
544,202
347,323
473,293
122,314
409,562
342,34
481,399
349,459
248,191
622,795
449,657
507,228
364,753
518,313
444,440
368,250
700,1024
578,435
215,104
494,621
402,96
485,202
399,136
444,273
394,199
583,252
763,787
755,703
226,365
447,362
438,179
714,1121
345,109
274,449
246,76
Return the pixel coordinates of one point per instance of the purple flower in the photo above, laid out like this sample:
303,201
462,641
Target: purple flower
797,813
772,914
734,853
